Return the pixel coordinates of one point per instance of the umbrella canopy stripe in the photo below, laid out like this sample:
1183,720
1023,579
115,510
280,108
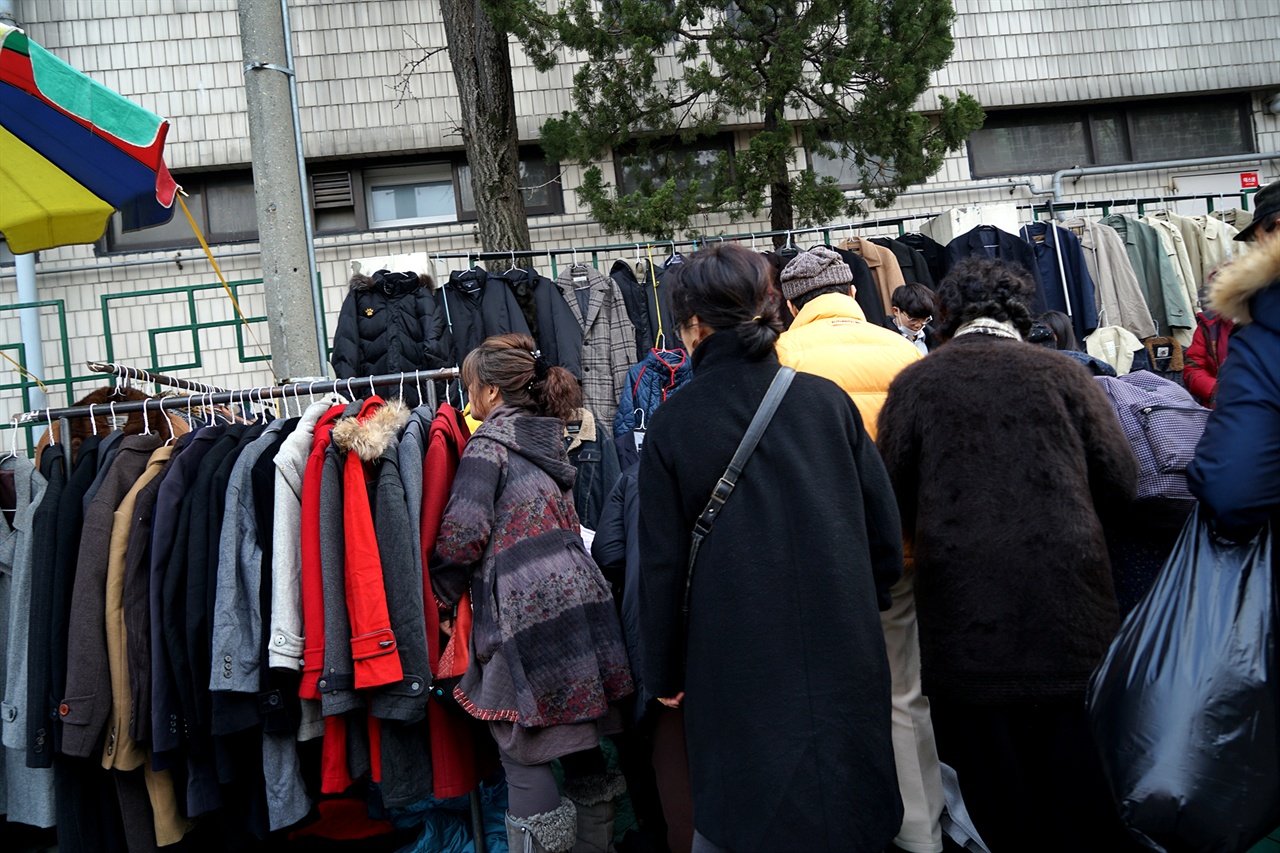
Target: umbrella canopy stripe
64,213
72,149
29,67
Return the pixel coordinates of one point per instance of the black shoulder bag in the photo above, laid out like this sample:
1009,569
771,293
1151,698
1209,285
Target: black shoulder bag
724,487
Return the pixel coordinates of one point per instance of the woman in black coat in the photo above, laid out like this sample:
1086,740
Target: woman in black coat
389,323
1003,455
782,676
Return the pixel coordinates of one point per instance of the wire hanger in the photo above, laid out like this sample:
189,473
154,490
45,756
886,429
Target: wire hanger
13,439
93,422
512,268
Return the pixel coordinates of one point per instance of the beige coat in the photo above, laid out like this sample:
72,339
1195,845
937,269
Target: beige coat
884,266
120,751
1116,289
1217,244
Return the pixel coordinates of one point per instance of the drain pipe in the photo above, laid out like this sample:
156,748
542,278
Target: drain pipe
1079,172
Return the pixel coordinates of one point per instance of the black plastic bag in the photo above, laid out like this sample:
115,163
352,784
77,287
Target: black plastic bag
1184,708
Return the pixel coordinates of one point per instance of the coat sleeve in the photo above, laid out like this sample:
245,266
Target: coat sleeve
346,341
468,520
1236,469
622,340
884,528
664,554
609,548
437,350
624,420
1113,469
1198,372
898,443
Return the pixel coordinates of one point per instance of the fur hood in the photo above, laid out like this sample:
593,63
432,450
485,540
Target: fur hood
538,439
370,438
1233,289
391,283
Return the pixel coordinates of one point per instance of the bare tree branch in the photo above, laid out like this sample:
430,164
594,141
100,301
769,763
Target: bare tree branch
410,67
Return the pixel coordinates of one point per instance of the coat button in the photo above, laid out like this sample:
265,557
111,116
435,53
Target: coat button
279,641
274,700
227,658
40,740
173,718
322,684
415,686
63,709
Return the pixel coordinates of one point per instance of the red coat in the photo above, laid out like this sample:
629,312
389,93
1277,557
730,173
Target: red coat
1204,358
373,644
458,762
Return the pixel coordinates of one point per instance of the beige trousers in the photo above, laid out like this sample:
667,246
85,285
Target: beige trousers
914,749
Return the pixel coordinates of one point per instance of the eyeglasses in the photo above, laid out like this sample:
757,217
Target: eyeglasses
912,322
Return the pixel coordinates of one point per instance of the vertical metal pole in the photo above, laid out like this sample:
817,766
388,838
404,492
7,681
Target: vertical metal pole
29,322
317,304
289,289
477,823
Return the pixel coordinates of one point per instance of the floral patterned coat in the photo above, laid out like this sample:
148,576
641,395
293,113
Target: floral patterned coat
546,644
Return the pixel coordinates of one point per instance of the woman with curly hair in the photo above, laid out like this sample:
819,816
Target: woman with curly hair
548,663
1003,457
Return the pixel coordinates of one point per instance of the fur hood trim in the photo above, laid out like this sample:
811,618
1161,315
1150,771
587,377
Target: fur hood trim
1236,284
391,283
370,438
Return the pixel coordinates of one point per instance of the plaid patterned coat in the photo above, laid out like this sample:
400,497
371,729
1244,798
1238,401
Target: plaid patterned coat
546,645
608,338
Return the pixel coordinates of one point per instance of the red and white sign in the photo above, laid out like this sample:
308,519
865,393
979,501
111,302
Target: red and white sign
1248,180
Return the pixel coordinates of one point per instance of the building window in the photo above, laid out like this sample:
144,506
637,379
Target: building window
641,166
221,203
539,182
844,170
1042,141
410,195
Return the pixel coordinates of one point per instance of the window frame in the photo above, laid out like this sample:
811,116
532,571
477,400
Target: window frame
1089,116
197,185
555,205
723,141
371,181
810,154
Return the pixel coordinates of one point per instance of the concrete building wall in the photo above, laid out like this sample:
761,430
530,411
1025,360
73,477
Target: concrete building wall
181,59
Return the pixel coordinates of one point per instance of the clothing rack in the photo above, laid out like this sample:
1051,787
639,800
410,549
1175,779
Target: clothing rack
1052,208
133,374
249,395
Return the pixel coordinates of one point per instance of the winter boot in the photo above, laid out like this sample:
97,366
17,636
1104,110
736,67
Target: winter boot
594,795
547,832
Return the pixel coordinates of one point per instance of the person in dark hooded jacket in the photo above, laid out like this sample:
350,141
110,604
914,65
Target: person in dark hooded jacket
389,323
1236,469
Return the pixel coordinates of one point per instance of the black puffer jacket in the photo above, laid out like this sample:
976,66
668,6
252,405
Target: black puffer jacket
388,324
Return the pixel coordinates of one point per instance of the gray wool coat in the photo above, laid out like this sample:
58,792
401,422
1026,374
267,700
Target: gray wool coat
337,682
608,338
29,798
237,632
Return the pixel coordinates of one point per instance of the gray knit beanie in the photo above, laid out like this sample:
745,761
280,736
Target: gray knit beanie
818,267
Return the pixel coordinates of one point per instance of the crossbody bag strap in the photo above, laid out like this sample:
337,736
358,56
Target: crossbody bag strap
725,486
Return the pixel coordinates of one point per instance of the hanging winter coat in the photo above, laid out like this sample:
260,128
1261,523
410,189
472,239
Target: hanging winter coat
558,334
987,241
649,384
608,338
593,456
389,323
633,297
1068,287
474,310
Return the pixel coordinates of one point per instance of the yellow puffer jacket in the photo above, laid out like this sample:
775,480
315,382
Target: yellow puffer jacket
832,338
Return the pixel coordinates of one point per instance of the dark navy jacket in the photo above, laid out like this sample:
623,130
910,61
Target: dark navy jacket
1071,280
990,242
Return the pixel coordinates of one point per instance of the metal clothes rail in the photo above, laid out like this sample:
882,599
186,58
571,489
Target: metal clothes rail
133,374
248,396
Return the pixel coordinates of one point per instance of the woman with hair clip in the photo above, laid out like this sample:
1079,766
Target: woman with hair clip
548,661
778,671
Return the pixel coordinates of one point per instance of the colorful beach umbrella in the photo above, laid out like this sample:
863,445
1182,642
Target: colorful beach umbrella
72,152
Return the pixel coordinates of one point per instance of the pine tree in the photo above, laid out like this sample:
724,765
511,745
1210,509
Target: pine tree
835,77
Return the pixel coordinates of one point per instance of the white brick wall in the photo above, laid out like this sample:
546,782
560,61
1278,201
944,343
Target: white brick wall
182,59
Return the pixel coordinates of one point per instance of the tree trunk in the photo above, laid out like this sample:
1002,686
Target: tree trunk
781,213
481,63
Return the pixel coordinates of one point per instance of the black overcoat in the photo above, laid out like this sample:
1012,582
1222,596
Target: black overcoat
787,684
